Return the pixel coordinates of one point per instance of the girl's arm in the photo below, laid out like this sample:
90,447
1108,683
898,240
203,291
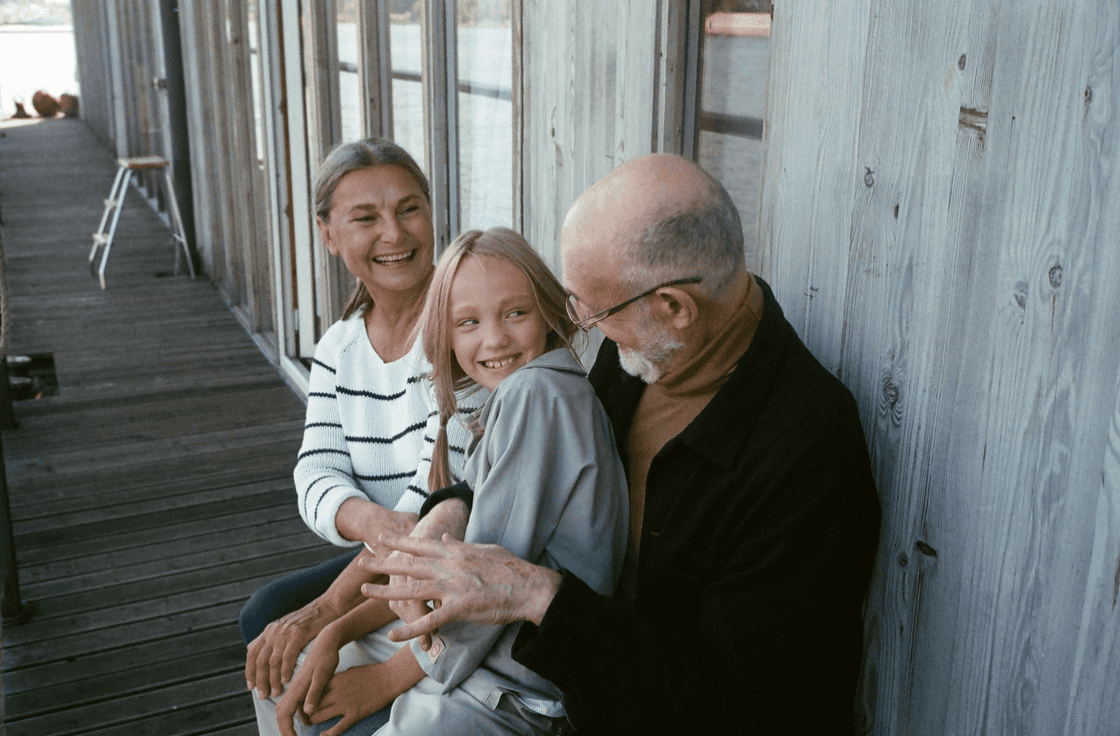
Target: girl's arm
317,672
362,691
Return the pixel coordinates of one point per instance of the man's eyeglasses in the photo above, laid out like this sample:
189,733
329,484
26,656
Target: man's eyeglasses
575,307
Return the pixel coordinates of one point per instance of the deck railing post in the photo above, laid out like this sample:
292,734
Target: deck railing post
13,609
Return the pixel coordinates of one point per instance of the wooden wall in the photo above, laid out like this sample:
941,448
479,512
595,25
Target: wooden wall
941,223
588,96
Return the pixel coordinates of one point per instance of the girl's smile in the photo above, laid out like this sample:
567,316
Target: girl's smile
496,324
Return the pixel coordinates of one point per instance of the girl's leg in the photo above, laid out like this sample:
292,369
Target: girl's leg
426,710
289,593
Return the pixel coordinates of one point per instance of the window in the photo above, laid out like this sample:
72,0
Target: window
484,46
735,39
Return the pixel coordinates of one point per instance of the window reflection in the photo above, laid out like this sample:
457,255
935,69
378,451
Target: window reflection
349,89
484,43
736,45
406,51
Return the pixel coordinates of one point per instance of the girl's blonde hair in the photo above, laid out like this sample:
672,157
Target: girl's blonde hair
447,375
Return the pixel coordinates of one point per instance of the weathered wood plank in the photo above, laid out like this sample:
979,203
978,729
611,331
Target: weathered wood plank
153,494
947,247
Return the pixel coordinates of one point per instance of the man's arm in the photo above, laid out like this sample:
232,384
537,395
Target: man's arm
480,583
776,621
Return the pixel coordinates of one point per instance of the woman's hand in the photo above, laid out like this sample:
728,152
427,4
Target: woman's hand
363,520
310,682
271,658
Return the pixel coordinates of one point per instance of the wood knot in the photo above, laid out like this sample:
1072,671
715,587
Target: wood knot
1021,294
975,119
1056,275
869,177
961,62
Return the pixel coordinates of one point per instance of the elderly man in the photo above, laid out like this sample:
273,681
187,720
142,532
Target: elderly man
754,516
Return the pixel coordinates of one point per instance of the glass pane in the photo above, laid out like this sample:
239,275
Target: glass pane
485,50
407,50
255,72
736,39
349,91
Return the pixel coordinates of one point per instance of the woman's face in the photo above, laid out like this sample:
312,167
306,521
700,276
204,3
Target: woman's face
381,226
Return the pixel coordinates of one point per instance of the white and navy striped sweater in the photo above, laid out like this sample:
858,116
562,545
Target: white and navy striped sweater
370,430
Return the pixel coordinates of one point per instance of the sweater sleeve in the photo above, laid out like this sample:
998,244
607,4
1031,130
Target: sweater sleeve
550,489
324,475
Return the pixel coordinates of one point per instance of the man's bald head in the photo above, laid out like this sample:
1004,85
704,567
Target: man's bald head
653,219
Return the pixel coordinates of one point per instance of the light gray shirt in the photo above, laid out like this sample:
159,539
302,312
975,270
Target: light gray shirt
548,487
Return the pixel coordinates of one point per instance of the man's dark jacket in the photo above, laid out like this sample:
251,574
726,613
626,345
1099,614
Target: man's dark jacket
761,524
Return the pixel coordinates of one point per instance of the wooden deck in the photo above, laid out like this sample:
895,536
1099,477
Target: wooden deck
153,494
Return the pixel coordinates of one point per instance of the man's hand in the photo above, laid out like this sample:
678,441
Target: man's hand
272,655
482,583
308,685
449,517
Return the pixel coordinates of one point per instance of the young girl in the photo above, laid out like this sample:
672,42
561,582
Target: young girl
548,484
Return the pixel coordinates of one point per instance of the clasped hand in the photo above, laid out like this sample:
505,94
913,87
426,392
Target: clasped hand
481,583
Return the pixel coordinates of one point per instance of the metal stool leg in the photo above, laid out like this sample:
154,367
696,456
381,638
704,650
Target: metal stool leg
113,228
177,222
111,203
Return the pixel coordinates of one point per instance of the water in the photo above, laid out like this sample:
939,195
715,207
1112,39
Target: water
34,58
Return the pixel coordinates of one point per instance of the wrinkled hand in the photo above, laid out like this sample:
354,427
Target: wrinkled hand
409,611
271,658
353,694
481,583
307,687
449,517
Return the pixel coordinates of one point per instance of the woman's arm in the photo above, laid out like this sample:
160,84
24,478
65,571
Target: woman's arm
271,657
324,473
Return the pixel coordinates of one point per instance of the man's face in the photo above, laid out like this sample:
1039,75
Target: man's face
645,347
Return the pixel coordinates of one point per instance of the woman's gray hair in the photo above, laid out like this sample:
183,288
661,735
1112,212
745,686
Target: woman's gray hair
358,155
705,239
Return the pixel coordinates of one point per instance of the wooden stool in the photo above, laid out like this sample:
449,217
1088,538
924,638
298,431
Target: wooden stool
116,200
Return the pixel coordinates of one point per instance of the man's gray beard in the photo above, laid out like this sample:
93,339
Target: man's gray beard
657,350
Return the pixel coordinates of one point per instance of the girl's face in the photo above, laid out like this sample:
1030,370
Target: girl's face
381,225
496,325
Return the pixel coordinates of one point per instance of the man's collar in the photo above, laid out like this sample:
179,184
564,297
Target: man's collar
719,428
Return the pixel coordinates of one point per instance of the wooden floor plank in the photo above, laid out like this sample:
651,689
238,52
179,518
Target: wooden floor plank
153,494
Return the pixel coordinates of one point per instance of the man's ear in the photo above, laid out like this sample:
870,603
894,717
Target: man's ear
677,307
325,234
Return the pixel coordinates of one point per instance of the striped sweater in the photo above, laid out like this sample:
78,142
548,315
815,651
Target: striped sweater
370,430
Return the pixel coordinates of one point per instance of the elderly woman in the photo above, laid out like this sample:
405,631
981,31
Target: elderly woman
363,466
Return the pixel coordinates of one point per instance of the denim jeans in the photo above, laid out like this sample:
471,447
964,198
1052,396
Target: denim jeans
289,593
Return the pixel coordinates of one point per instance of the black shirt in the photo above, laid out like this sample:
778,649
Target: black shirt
761,524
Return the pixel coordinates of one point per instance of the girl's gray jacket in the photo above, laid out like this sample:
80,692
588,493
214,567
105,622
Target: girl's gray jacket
550,488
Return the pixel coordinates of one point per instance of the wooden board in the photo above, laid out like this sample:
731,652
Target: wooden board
153,494
940,218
